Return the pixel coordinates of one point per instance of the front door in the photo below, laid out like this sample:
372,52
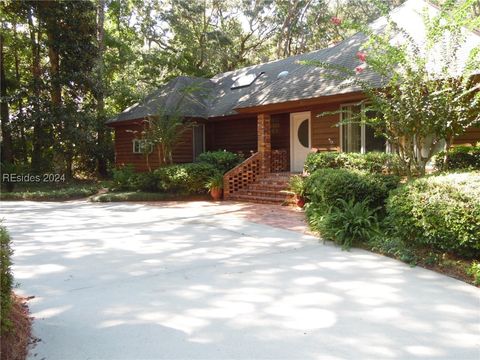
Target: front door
299,140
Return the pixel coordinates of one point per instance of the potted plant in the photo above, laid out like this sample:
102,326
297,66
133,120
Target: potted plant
296,186
215,186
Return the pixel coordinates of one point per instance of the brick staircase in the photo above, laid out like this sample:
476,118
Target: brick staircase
266,190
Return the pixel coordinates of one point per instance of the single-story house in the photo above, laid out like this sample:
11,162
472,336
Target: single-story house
268,111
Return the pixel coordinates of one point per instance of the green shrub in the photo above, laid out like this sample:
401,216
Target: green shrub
474,271
459,157
223,161
124,178
145,182
440,212
185,178
215,182
296,185
374,162
325,187
6,278
346,223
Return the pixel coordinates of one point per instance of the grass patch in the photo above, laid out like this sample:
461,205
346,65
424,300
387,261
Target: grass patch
146,196
63,191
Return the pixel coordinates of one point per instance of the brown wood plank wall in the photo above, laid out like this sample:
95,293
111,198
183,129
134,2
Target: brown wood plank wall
126,133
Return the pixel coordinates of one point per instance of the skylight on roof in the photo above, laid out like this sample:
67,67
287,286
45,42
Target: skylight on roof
245,80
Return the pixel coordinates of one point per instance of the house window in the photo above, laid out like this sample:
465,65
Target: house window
357,136
275,127
139,146
198,140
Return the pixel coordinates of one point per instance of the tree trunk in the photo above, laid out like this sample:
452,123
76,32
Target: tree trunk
23,140
62,125
7,151
448,144
101,133
38,131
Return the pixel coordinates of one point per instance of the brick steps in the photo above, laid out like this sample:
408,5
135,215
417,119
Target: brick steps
266,190
265,187
262,193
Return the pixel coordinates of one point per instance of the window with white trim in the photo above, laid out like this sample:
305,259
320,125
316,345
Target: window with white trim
139,146
356,136
198,140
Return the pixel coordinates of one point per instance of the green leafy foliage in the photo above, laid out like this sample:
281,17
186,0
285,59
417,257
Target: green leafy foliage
296,185
325,187
6,278
420,106
347,222
459,158
215,182
124,178
474,271
185,178
223,161
147,182
440,212
374,162
145,196
389,244
45,193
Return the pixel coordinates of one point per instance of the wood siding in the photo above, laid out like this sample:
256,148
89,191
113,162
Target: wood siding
471,137
238,135
325,133
280,135
124,136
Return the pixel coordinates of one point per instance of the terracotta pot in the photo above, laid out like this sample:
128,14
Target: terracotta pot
216,194
300,201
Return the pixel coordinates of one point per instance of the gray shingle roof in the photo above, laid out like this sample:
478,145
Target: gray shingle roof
302,82
187,96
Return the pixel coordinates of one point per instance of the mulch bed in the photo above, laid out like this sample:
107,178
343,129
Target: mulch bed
14,343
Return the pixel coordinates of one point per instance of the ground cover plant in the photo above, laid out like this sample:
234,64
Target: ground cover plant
15,324
55,192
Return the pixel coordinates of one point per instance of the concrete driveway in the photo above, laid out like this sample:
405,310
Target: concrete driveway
129,281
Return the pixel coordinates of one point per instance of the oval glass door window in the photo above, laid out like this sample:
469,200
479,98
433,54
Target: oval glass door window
303,133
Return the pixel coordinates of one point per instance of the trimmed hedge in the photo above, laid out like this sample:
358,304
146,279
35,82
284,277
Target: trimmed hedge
459,158
373,162
185,178
441,212
223,161
325,187
6,278
189,178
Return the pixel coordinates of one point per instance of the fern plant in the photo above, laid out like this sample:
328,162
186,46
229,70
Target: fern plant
348,222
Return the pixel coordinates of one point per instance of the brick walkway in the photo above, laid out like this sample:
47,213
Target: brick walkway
284,217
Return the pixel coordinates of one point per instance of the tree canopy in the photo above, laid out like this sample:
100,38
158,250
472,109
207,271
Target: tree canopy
70,65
